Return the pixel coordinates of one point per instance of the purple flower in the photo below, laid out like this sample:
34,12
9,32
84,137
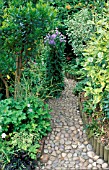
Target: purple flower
53,36
56,31
52,42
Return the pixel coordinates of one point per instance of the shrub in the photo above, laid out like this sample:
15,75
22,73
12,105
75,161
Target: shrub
96,68
68,7
96,62
80,86
79,30
6,3
21,35
22,125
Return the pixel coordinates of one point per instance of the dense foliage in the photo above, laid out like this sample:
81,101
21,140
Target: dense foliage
22,29
79,37
96,64
95,68
22,125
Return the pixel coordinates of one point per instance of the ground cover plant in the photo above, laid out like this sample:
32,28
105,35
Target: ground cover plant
22,126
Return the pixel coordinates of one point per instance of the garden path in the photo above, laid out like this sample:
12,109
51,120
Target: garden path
67,147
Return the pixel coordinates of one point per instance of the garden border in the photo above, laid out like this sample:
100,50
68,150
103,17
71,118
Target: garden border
99,148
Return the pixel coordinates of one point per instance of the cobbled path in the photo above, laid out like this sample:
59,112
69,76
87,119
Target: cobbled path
67,147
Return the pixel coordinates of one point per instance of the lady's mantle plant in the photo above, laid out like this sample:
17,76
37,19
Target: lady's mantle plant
54,51
22,125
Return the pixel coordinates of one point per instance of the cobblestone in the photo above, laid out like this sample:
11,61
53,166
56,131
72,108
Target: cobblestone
67,147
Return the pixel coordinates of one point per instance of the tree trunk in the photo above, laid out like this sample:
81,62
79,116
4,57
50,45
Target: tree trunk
18,75
6,86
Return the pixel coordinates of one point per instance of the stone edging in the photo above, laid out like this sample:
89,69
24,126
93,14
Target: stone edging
98,147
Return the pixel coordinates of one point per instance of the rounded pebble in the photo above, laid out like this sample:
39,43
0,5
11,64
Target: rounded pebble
100,161
104,165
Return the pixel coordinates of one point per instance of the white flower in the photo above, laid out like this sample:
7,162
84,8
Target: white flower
100,55
30,110
28,105
42,63
90,59
3,135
